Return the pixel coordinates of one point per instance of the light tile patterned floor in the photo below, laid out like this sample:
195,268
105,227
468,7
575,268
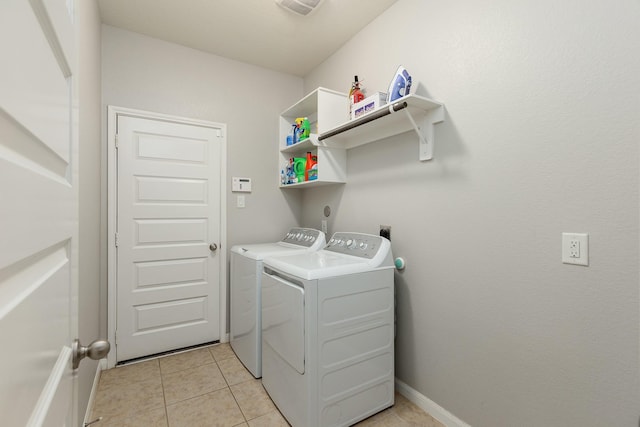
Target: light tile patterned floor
207,387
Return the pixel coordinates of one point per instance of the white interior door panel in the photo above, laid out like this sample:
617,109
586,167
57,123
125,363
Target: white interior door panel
168,214
38,213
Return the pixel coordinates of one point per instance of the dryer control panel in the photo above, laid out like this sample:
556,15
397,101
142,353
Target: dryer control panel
302,236
356,244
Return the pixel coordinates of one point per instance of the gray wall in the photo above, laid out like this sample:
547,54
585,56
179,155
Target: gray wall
148,74
541,136
89,88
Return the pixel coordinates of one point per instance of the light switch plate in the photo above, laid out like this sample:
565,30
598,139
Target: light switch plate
575,248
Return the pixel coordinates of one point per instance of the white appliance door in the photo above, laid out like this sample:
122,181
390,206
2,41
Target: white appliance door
38,213
283,319
168,280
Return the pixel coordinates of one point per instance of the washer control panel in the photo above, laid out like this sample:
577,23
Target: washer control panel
302,236
356,244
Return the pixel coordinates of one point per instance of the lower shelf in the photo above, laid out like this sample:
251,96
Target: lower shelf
311,184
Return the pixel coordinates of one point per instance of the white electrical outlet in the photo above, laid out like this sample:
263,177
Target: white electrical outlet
240,202
575,248
324,226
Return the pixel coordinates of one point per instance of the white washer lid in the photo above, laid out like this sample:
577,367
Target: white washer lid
296,240
321,264
259,251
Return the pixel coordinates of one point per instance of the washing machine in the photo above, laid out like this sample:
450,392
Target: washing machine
328,331
246,275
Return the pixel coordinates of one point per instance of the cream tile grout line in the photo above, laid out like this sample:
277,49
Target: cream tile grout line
237,403
230,391
166,405
228,386
164,395
246,419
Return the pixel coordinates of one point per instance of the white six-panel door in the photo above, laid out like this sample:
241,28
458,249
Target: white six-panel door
168,227
38,213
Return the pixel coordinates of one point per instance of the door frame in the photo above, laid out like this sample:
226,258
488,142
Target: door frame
113,112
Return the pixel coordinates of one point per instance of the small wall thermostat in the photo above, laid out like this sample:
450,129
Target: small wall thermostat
242,185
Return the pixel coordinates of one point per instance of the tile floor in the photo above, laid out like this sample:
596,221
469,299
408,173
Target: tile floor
208,386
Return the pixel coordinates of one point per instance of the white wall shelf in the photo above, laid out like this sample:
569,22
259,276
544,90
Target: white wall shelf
327,110
411,112
308,144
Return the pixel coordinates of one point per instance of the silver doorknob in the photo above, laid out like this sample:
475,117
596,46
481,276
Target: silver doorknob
213,247
96,350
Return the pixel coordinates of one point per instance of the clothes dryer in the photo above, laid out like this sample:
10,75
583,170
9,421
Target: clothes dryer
246,275
328,331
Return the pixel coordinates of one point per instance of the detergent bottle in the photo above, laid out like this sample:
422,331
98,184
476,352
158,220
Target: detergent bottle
299,168
306,128
291,176
311,167
303,128
355,94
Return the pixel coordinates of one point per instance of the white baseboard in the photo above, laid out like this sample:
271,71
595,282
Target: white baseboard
102,365
428,405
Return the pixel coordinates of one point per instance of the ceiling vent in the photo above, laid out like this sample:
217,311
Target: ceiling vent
300,7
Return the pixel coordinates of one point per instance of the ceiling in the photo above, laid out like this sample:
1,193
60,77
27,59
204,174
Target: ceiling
257,32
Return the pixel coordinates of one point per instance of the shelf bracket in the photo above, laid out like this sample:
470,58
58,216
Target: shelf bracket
426,133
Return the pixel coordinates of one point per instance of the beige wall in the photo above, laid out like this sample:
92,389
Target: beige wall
148,74
540,137
89,87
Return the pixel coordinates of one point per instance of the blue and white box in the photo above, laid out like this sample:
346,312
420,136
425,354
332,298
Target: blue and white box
369,104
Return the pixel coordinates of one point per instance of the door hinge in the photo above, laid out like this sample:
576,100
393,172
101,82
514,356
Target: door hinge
115,337
219,133
116,239
116,141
